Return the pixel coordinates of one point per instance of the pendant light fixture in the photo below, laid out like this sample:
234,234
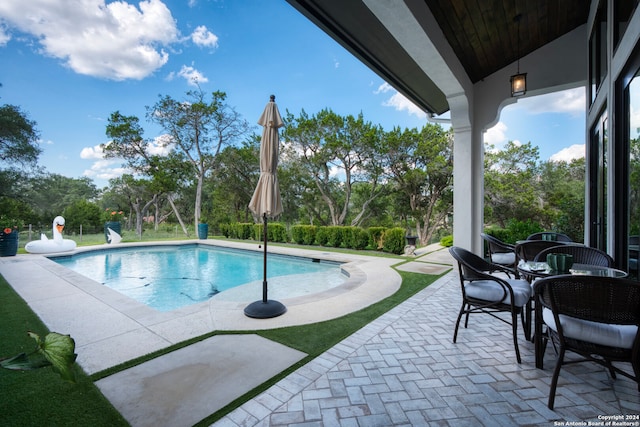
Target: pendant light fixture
518,80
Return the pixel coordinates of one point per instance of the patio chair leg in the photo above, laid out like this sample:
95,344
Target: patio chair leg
527,321
554,379
466,319
455,332
514,325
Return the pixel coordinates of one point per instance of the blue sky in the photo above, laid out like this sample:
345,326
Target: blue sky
70,64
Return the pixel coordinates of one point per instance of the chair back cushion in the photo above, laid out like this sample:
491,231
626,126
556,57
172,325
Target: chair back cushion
503,258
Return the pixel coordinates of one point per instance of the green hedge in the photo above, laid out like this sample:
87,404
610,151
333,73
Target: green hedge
304,234
447,241
376,235
394,240
390,240
276,232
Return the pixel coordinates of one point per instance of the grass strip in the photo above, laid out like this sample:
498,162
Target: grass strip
41,397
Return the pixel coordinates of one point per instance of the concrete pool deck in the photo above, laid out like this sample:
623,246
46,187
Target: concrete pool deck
102,320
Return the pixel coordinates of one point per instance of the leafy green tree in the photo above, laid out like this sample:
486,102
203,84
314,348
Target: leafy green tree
128,142
562,188
511,184
235,180
82,213
198,129
50,194
18,137
420,163
336,152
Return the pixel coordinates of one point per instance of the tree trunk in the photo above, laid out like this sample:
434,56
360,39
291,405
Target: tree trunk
175,211
198,205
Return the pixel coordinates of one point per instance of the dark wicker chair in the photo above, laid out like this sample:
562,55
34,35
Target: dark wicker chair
581,255
597,318
500,253
550,235
482,292
528,250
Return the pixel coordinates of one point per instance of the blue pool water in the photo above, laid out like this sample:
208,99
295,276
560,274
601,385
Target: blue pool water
167,278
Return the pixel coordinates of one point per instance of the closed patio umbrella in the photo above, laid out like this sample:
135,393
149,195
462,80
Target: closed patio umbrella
266,201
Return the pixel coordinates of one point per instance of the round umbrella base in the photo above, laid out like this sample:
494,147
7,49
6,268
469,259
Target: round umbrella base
265,310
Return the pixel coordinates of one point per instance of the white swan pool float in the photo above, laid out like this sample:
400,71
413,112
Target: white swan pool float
57,244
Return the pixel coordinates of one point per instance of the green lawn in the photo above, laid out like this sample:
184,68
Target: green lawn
40,397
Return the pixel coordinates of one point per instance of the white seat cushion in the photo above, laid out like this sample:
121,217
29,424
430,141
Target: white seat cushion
488,290
505,258
620,336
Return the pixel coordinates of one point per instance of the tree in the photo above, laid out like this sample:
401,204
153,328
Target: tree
50,194
82,213
420,163
562,185
511,184
198,129
235,180
336,152
18,137
140,195
127,142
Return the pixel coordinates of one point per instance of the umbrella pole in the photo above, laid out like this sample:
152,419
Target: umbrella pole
264,281
265,308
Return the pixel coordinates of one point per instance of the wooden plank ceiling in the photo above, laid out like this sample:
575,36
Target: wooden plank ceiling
484,33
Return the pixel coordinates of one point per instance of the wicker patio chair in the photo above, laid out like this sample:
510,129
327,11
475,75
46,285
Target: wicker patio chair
581,255
483,292
597,318
501,253
550,235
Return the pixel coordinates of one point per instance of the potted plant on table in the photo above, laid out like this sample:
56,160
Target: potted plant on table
113,220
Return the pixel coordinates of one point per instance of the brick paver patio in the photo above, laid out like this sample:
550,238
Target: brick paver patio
403,369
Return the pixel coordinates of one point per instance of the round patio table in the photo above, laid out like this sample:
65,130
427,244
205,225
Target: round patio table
541,269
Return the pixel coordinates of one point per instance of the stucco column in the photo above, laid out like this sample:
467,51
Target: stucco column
468,176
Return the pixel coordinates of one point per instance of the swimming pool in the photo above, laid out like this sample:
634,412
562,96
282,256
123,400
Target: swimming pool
169,277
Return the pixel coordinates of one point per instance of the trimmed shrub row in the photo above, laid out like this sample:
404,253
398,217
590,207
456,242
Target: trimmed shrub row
391,240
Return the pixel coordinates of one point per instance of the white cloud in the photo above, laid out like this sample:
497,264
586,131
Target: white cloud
399,101
203,37
4,36
114,40
576,151
94,152
496,135
160,146
192,76
106,170
571,101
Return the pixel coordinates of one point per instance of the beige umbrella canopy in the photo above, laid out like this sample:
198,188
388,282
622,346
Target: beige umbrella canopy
266,200
266,197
